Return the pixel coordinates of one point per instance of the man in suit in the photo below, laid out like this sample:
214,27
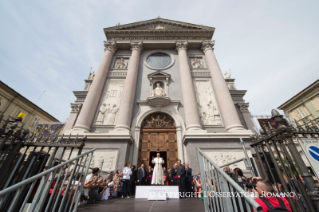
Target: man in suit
189,179
181,174
174,179
141,175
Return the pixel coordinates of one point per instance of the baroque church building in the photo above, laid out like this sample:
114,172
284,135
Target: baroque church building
159,88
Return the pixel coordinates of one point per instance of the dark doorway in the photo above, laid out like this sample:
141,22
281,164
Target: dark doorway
162,155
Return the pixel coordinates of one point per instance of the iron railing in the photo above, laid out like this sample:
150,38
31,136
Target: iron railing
24,155
277,154
221,192
50,190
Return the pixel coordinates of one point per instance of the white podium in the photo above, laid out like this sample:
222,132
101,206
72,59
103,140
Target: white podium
157,192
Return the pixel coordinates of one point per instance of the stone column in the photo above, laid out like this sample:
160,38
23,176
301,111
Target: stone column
92,99
226,104
123,120
189,99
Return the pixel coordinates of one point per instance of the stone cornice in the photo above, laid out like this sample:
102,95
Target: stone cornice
110,45
181,45
159,29
208,44
138,46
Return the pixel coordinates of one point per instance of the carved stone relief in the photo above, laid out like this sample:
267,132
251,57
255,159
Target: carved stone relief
121,63
209,113
222,157
197,62
111,103
105,159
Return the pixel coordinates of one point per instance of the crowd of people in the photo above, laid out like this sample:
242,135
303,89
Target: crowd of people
122,184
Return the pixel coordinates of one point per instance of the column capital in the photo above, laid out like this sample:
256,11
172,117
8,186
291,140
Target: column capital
137,45
181,45
110,45
243,107
207,44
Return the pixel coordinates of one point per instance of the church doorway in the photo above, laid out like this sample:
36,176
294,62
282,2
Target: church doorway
158,134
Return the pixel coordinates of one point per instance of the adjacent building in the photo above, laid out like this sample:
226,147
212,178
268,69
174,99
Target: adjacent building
304,106
12,103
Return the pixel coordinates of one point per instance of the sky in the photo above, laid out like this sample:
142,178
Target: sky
271,47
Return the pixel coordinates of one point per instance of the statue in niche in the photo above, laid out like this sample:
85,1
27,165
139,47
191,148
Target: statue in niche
196,63
111,115
121,63
227,75
103,113
158,91
91,76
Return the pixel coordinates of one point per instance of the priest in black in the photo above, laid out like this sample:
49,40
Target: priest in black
181,174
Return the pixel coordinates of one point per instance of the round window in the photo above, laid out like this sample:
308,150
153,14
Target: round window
159,60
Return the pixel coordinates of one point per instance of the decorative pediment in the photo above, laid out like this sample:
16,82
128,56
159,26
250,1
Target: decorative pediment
158,75
159,28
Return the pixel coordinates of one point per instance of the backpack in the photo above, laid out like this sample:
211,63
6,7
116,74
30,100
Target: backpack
271,208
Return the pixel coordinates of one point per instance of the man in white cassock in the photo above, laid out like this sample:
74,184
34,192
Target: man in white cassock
157,178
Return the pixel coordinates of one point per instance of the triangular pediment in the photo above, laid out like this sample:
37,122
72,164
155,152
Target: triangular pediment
156,27
159,74
160,24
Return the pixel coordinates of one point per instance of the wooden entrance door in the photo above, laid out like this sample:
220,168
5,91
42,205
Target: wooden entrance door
158,133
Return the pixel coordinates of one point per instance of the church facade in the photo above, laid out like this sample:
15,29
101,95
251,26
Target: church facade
159,88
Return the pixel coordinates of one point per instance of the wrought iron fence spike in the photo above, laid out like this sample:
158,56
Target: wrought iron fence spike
68,141
53,138
76,138
299,127
306,125
314,126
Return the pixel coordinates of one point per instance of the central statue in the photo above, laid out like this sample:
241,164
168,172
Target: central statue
158,91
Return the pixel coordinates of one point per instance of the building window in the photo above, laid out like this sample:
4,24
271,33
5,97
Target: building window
300,113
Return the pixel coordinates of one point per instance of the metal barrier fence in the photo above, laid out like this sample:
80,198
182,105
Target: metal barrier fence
50,190
221,192
277,154
24,155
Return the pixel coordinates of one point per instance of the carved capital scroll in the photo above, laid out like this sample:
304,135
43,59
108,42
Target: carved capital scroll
138,46
208,44
181,45
110,45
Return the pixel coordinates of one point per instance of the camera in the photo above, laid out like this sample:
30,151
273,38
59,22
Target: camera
252,185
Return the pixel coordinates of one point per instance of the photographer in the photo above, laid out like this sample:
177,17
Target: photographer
94,185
